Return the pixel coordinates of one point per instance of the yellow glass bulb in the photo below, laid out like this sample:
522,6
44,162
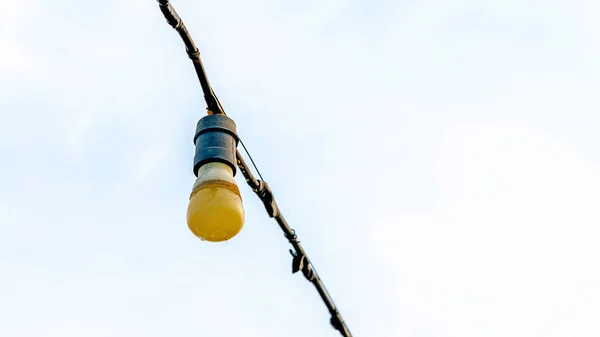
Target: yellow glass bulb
215,212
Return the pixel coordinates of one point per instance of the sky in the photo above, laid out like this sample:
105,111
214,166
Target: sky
438,159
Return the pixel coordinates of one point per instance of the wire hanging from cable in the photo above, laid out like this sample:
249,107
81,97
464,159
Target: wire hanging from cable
251,160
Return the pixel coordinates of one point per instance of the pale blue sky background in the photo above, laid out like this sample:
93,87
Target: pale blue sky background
439,160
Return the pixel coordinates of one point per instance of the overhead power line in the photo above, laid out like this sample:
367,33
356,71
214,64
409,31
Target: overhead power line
300,260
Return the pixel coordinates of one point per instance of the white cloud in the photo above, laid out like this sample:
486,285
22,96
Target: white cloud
15,56
512,237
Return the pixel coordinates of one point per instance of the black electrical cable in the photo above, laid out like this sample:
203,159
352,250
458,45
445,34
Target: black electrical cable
260,187
193,53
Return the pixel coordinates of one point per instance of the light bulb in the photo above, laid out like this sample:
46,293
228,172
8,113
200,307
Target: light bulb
215,212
